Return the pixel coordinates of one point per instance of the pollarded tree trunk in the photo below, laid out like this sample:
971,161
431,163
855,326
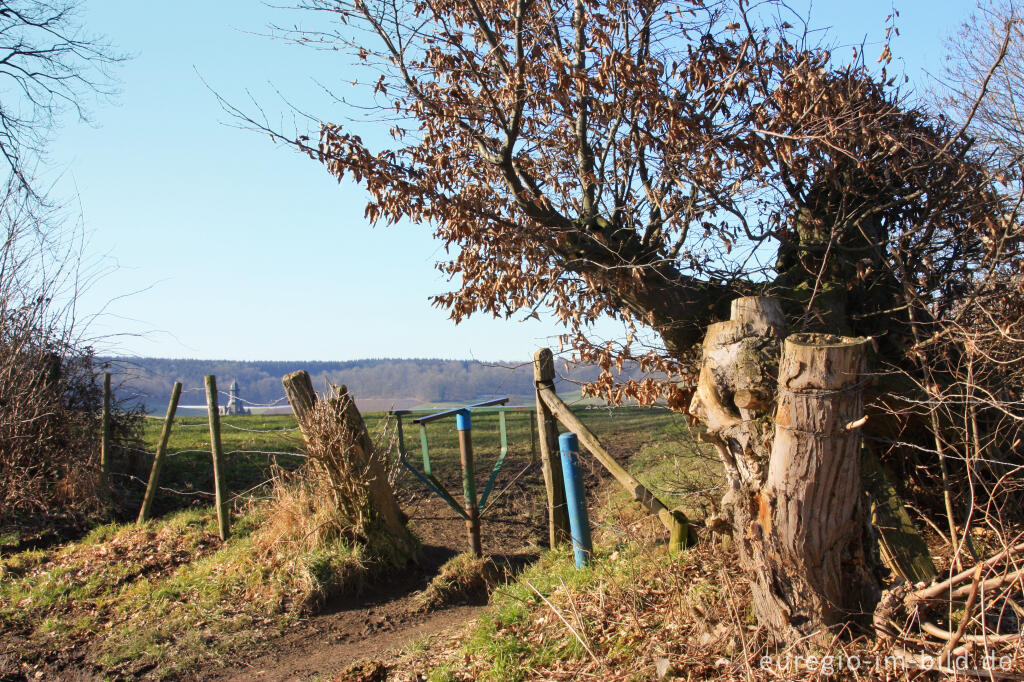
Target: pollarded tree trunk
793,502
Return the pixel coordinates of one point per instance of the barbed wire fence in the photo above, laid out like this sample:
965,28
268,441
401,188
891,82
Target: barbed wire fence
178,423
241,472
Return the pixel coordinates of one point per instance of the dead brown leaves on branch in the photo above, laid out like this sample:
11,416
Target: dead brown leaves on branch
646,161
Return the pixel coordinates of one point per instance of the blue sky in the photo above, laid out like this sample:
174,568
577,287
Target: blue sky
221,244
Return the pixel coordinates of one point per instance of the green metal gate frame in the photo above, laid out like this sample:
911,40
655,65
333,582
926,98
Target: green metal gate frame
427,476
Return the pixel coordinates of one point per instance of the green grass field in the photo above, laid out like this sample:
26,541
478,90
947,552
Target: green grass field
660,444
253,446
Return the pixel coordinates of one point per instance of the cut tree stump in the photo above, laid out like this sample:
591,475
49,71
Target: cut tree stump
815,572
299,389
793,494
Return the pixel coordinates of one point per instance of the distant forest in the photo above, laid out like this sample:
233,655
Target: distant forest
378,383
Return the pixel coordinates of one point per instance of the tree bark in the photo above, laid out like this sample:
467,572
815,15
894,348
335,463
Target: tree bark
815,571
793,500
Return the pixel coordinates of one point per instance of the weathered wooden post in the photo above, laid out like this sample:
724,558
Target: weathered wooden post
105,438
463,424
900,546
547,437
161,453
223,522
299,388
637,490
682,534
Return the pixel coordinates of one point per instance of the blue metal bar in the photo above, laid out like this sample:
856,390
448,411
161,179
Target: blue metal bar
579,523
457,410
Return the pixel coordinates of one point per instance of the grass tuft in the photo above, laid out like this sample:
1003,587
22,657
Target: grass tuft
464,579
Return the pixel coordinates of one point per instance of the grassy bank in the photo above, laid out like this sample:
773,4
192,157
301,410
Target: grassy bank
168,596
634,613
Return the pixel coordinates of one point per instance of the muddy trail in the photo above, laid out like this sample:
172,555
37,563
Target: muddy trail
386,617
383,619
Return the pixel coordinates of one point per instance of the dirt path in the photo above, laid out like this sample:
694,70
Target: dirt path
383,620
370,630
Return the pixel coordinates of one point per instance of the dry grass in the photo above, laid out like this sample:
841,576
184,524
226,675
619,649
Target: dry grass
321,531
638,614
306,542
168,596
336,468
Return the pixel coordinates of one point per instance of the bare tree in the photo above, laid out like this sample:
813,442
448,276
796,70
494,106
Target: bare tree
49,65
49,396
983,87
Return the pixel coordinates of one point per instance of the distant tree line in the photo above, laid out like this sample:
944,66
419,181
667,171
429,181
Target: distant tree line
147,381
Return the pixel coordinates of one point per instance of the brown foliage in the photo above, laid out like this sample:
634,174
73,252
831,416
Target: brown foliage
648,160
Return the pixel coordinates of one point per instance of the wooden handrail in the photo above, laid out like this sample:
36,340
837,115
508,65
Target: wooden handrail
634,487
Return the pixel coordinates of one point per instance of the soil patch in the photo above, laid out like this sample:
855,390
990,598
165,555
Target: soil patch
385,617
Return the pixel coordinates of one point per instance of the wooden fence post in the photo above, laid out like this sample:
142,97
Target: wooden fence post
105,440
223,522
673,520
299,388
464,427
161,452
547,436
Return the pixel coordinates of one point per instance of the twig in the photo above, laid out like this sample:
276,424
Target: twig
572,604
955,639
567,624
938,588
739,624
935,631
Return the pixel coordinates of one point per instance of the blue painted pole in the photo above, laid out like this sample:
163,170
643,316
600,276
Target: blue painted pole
575,499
